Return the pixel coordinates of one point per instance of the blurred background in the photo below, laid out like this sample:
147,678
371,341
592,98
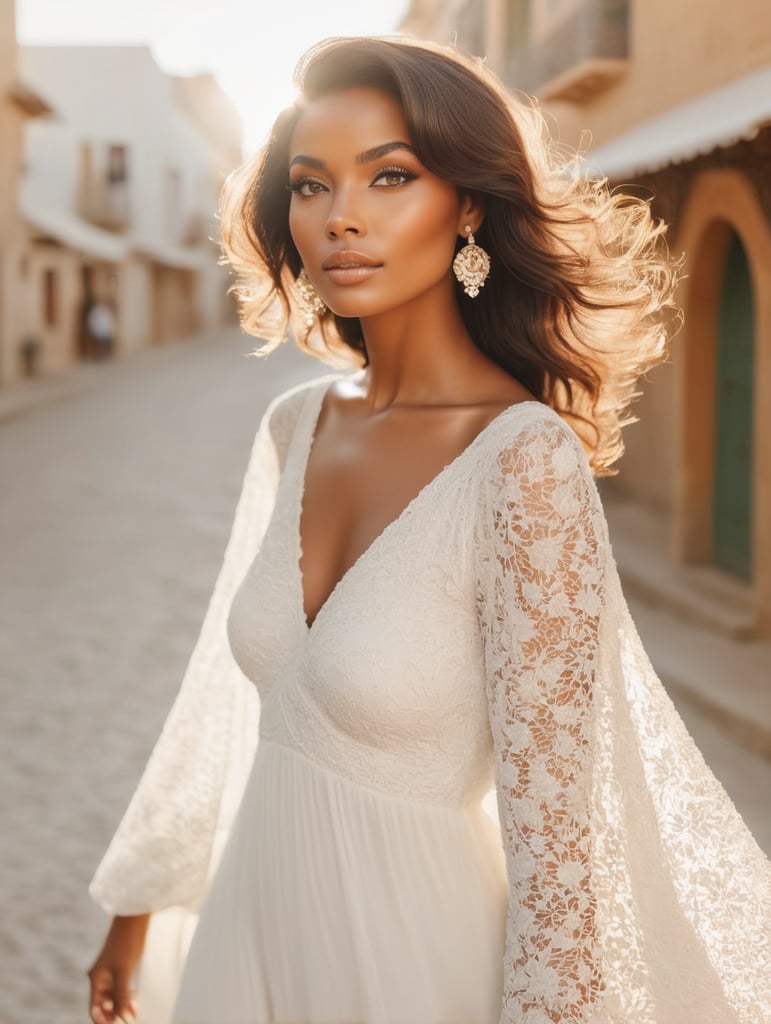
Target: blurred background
127,408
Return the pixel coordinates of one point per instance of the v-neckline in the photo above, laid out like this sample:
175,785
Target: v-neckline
378,539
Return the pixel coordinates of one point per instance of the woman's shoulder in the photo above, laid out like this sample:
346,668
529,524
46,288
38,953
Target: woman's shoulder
529,448
533,465
527,431
283,412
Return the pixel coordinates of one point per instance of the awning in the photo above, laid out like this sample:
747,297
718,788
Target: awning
175,256
716,119
64,226
68,229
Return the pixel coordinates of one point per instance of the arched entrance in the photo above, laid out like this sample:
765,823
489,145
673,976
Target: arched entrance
734,409
723,373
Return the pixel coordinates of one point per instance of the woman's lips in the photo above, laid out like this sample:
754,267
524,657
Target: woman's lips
352,274
349,267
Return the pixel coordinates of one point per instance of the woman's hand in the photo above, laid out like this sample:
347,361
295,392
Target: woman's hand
110,1001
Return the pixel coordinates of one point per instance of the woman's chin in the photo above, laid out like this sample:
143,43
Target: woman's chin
353,310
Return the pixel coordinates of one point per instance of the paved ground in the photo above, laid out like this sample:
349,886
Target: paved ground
117,500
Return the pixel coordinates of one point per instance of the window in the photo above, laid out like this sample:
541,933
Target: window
173,203
86,167
117,164
50,298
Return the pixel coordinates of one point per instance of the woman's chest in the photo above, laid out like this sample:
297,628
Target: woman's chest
395,649
359,478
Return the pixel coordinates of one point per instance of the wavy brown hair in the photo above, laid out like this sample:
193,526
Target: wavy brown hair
579,302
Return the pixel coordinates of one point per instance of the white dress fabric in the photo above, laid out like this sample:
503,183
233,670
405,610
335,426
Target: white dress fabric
314,804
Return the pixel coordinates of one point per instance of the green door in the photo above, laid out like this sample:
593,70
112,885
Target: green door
732,503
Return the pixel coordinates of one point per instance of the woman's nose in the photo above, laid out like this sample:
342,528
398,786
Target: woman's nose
343,219
341,226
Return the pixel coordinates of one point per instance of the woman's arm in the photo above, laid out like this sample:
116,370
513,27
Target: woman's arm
540,592
161,852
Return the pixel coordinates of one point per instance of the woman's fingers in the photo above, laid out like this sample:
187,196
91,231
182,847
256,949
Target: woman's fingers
124,1006
112,971
111,1001
100,1001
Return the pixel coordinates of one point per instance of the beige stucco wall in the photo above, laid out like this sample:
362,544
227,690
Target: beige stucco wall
134,306
10,333
647,468
10,119
11,125
678,51
175,303
58,339
434,19
547,15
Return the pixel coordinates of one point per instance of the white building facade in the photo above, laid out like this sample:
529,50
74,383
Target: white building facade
18,104
119,195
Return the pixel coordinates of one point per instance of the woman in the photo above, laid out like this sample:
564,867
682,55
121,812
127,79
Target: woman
419,583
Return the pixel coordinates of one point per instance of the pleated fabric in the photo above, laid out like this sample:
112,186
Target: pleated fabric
337,903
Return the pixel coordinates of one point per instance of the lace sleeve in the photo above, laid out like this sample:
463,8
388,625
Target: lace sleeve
540,592
161,853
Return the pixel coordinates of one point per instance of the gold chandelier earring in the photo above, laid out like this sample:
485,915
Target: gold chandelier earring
471,265
312,303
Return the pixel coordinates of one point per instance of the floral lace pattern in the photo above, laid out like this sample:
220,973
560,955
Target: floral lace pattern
540,596
637,895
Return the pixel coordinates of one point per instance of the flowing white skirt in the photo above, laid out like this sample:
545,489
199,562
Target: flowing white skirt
337,904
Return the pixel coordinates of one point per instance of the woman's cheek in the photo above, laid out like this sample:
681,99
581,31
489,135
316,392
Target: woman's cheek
303,226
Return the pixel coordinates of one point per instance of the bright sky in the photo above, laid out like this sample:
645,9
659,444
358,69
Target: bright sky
250,45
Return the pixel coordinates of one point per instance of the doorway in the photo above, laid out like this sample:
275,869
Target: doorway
733,492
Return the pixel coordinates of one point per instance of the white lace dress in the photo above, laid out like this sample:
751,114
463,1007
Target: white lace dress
481,641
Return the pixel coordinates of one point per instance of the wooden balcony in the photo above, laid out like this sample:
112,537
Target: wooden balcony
584,55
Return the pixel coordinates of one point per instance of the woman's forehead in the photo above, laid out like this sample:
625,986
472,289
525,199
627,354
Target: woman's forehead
357,119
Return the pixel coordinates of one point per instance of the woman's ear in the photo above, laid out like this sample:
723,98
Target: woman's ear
472,213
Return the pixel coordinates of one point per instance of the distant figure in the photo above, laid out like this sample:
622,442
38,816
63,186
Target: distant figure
100,324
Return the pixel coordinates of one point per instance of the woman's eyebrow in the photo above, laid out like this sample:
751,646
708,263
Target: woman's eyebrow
362,158
375,154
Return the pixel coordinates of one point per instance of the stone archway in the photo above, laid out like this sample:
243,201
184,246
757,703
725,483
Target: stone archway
721,207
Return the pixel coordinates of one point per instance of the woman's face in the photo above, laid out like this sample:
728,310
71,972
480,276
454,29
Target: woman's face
374,229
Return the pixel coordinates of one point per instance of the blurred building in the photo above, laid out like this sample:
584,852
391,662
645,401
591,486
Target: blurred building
119,198
18,104
677,100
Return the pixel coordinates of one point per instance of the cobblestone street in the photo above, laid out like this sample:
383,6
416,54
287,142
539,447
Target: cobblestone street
117,502
116,508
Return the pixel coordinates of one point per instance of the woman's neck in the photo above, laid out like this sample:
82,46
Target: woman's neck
419,354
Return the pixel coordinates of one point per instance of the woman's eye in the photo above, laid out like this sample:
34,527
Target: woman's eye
392,177
306,187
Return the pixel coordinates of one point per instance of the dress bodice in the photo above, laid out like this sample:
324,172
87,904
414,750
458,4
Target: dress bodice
387,687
